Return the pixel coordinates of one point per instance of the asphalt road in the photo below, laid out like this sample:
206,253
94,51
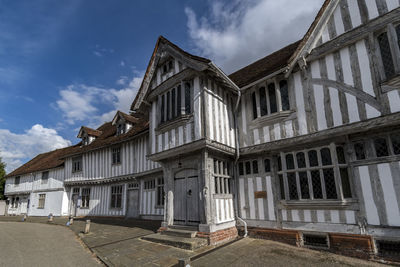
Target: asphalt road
32,244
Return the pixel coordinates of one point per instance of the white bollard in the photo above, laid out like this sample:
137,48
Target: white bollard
87,227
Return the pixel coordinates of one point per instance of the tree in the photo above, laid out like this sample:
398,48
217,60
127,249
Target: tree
2,178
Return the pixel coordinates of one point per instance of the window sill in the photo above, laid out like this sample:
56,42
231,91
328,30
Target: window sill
174,123
116,164
159,207
390,85
77,172
319,204
273,118
118,209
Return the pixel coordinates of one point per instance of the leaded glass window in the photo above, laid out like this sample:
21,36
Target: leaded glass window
316,174
386,54
381,147
284,95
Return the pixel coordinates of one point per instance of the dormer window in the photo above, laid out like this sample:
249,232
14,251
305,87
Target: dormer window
123,122
88,135
85,140
120,129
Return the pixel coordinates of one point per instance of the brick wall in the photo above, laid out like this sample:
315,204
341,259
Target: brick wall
359,246
219,236
285,236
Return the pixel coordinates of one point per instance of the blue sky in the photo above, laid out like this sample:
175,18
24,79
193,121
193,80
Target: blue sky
64,64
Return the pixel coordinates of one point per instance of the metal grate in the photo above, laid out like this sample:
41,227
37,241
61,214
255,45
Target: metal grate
305,192
360,151
316,184
330,185
301,160
389,248
315,240
292,186
386,54
381,147
395,142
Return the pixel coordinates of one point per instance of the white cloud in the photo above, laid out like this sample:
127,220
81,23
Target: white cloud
17,148
122,63
85,104
122,80
238,32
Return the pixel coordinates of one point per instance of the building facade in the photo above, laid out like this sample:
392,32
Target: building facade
301,146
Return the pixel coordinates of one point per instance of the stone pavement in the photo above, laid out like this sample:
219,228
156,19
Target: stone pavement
117,243
31,244
258,252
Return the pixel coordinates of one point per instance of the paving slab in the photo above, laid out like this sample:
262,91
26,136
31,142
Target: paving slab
117,242
31,244
257,252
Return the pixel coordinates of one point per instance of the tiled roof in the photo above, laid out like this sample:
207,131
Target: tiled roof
57,157
43,162
127,117
265,66
91,131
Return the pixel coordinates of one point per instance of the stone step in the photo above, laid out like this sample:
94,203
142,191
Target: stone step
184,227
178,232
176,241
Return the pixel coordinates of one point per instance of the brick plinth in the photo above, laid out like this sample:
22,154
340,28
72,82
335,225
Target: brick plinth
359,246
285,236
219,236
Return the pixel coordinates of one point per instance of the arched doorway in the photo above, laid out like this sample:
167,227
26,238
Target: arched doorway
186,197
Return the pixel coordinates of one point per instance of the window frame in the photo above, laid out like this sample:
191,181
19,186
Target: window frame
17,178
258,108
85,197
370,150
116,197
393,40
45,178
116,155
77,168
175,102
222,179
335,166
41,201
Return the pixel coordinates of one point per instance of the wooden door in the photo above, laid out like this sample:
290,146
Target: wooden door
186,198
133,203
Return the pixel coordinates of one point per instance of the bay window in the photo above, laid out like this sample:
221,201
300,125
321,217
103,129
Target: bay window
175,102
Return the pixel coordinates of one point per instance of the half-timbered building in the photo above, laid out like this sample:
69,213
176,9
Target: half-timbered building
301,146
